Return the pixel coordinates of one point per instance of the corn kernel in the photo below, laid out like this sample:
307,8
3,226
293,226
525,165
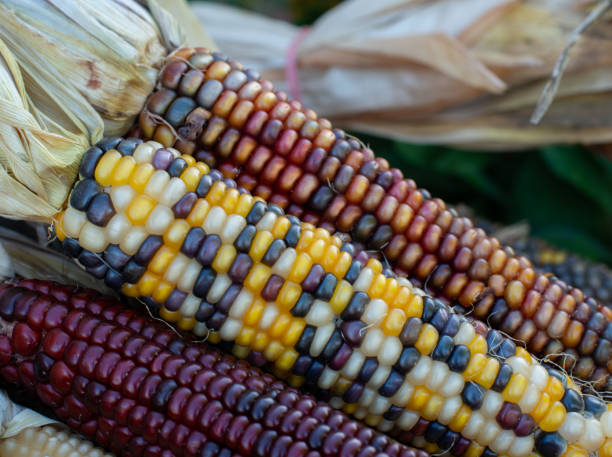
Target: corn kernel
330,258
147,284
257,278
515,388
306,239
486,377
391,290
433,407
260,245
130,290
541,408
419,399
288,295
375,265
245,204
605,450
554,418
230,201
262,340
478,345
162,291
576,451
186,324
169,316
140,176
394,322
106,167
342,264
204,169
317,250
139,209
253,315
224,258
280,326
474,450
287,359
175,235
280,227
461,419
475,366
554,388
216,193
377,286
246,336
300,269
161,260
414,303
191,161
123,171
59,227
293,333
214,337
428,338
191,177
522,352
198,213
341,297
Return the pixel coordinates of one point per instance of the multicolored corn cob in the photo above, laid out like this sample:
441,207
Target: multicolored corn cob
138,389
210,107
225,265
48,441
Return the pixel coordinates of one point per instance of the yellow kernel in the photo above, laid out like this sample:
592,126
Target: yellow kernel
198,213
186,324
461,419
161,260
246,336
394,322
419,399
169,316
336,241
350,408
293,333
377,286
486,377
280,326
288,295
295,381
147,284
375,265
130,290
306,238
205,169
280,227
554,388
106,167
60,232
214,337
433,407
522,352
253,315
431,448
123,171
604,451
191,161
554,418
391,290
330,258
273,351
191,177
245,204
216,193
317,250
515,388
300,269
224,258
140,177
476,364
162,291
341,297
573,450
373,420
260,342
342,265
287,360
542,408
474,450
257,278
139,209
428,338
176,233
478,345
260,244
230,201
414,303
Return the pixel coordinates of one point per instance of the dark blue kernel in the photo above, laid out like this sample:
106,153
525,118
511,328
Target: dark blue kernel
327,287
177,167
392,384
257,212
459,358
216,320
393,413
98,272
348,247
503,377
429,309
83,193
109,143
100,210
443,349
353,393
204,282
340,149
151,304
550,444
178,111
353,272
448,440
89,162
228,298
89,259
274,208
314,372
115,257
205,310
240,268
208,250
594,405
607,333
452,325
128,146
494,341
321,199
183,207
473,395
507,349
193,241
407,360
367,370
332,346
293,220
488,452
303,344
434,432
204,186
133,271
71,247
147,249
245,239
356,306
292,237
557,374
301,365
276,248
498,313
272,288
175,300
411,331
114,279
572,401
439,319
381,237
302,307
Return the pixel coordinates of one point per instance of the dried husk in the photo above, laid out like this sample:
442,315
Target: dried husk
440,71
15,418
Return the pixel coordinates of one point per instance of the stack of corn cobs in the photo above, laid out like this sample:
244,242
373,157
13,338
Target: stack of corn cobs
240,218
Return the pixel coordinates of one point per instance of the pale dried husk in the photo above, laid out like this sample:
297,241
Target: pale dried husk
15,418
464,72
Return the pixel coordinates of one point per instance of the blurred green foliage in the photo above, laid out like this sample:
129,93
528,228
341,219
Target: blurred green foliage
564,193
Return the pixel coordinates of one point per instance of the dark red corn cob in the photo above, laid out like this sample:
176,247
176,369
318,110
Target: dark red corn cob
209,106
138,389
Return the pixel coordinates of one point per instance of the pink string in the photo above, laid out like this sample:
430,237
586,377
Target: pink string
291,64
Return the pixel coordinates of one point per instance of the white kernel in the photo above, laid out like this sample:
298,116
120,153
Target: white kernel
201,330
121,196
268,316
360,413
320,313
73,221
133,239
530,399
439,373
379,406
375,312
267,221
144,153
390,351
385,425
465,335
379,376
215,220
117,227
449,409
572,427
336,402
351,368
328,378
519,365
367,397
218,288
488,433
159,220
453,385
538,376
521,446
189,276
606,423
175,269
372,342
592,437
190,306
321,338
403,395
285,262
503,442
421,371
230,329
363,281
491,404
419,442
233,226
407,420
156,184
93,238
241,352
173,192
473,426
241,304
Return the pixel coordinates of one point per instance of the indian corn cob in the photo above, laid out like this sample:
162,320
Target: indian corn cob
225,265
210,107
136,388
